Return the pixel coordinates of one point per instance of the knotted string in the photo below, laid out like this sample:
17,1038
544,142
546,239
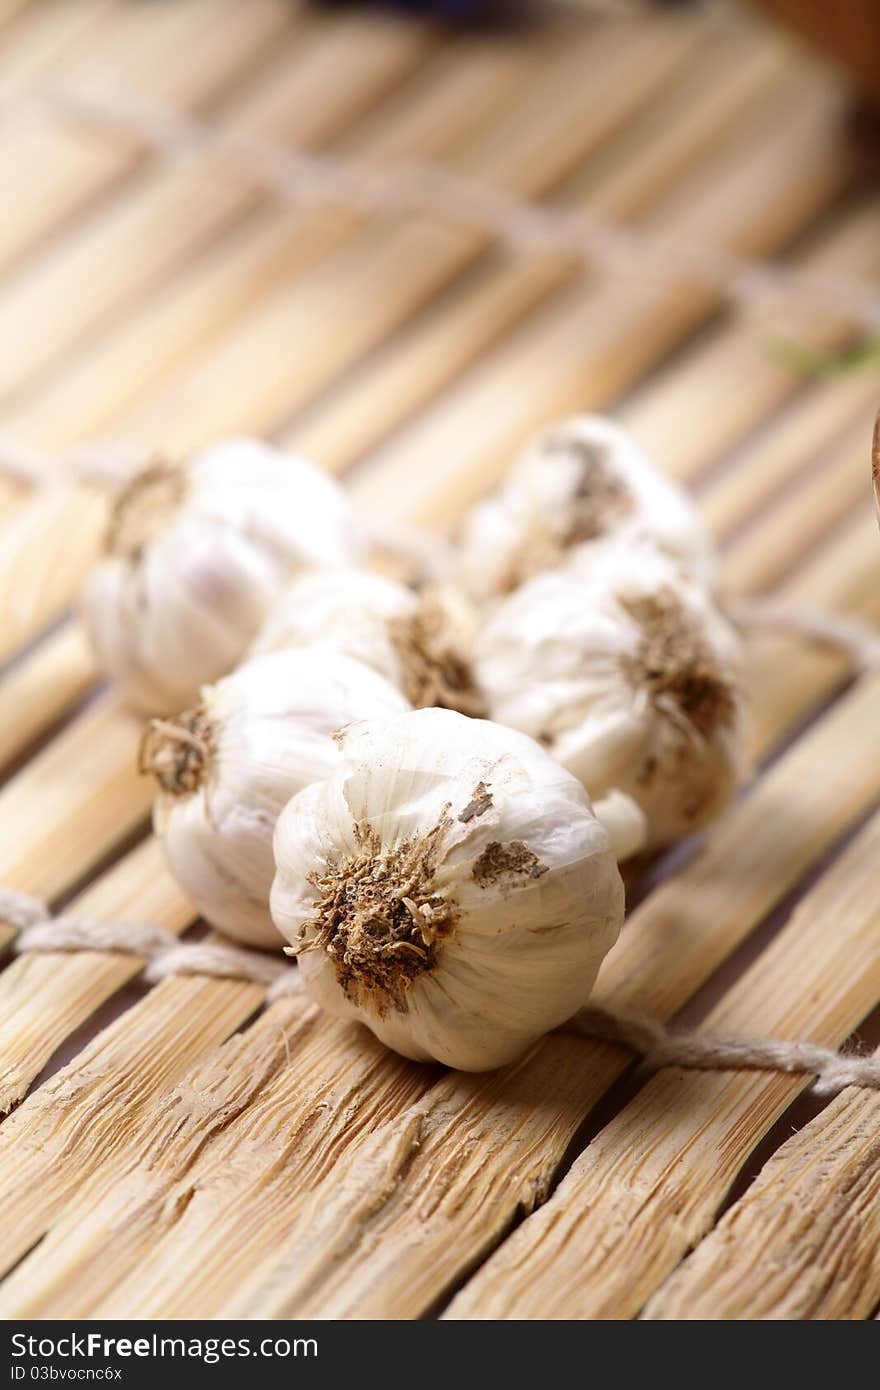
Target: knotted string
102,467
855,639
165,955
417,187
658,1045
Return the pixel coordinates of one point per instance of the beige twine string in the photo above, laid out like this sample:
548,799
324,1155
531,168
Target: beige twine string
663,1047
658,1045
38,931
102,467
852,637
417,187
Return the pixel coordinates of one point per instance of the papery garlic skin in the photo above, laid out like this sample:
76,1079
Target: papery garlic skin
576,483
421,642
196,554
227,767
628,673
449,886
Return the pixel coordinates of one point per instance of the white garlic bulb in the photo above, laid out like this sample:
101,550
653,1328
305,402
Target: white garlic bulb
421,642
196,553
227,767
576,483
449,885
629,674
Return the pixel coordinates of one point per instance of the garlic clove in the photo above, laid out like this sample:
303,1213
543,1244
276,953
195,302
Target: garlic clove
421,642
449,886
625,823
576,483
196,553
225,769
629,674
350,610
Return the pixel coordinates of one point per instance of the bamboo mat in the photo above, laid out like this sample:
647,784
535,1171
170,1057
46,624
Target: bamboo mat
182,1151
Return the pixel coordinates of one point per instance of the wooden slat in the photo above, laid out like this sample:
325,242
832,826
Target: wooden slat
12,11
45,997
679,128
138,50
804,1240
600,343
36,43
146,51
42,686
107,264
49,1145
65,810
805,434
822,500
794,678
368,291
276,1107
98,387
649,1184
53,538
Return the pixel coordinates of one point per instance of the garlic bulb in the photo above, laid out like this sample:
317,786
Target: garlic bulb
628,674
227,767
577,482
196,553
419,641
449,886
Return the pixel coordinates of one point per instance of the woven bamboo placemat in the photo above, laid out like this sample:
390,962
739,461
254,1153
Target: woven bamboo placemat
401,249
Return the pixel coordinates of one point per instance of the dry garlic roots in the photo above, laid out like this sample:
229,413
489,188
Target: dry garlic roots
226,767
195,555
580,481
421,642
628,674
449,885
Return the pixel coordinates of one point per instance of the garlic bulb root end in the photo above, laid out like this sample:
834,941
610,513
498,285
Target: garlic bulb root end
378,917
143,507
178,752
432,650
675,662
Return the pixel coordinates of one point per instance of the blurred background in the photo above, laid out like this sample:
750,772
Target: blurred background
401,237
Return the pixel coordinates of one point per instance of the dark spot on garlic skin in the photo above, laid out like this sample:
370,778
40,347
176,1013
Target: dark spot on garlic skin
478,804
435,666
178,752
507,866
675,663
379,917
143,508
679,671
601,499
599,502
